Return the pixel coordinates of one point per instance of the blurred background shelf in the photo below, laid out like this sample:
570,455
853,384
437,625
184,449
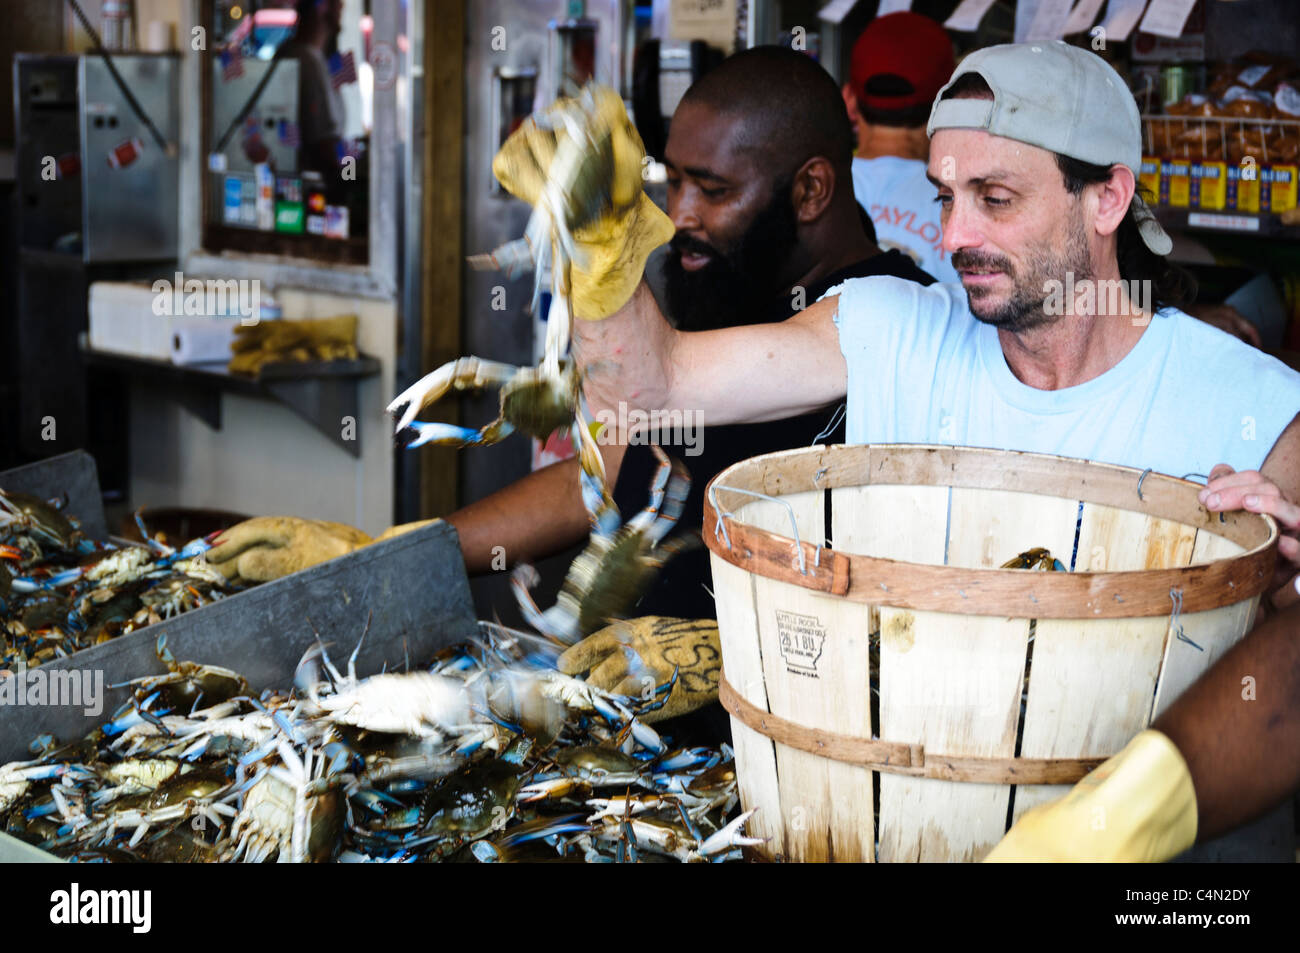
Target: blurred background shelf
1227,223
322,393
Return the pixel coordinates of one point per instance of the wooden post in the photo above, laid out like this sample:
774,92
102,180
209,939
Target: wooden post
442,254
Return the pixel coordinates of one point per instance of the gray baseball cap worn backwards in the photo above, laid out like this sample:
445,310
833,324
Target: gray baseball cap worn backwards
1060,98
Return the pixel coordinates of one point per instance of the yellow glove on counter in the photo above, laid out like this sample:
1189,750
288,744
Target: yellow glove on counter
279,341
627,226
268,547
658,645
1139,806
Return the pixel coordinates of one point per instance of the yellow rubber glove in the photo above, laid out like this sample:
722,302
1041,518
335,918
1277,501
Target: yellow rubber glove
628,227
1137,807
318,339
268,547
635,656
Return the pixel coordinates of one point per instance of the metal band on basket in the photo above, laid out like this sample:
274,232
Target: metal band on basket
901,758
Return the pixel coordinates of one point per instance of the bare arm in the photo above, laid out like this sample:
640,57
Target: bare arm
734,375
1238,727
1273,489
532,518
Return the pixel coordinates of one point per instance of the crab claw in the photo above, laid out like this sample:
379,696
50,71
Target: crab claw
547,790
418,434
11,552
464,373
730,836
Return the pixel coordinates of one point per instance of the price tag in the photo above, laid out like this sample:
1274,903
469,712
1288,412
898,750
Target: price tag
1167,17
1237,223
968,15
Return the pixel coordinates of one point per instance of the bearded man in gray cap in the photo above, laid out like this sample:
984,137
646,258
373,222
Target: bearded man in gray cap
1064,337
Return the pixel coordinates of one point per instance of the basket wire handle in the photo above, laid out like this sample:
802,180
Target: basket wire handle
1177,596
834,422
1202,476
720,529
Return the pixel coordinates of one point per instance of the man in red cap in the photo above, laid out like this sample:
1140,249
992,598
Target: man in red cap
899,64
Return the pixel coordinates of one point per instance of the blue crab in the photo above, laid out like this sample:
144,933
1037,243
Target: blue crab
609,576
535,400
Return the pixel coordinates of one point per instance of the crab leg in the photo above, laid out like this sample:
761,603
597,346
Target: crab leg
668,494
521,580
731,836
465,373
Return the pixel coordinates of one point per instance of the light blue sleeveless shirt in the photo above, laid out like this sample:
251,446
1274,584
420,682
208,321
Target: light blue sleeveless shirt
923,369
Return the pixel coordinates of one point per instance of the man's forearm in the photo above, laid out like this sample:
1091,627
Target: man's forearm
1238,727
742,374
627,358
532,518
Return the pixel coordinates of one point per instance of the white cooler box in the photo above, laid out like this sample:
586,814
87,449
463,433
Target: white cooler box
123,321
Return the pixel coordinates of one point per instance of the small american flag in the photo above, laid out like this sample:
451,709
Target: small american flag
232,63
289,134
343,69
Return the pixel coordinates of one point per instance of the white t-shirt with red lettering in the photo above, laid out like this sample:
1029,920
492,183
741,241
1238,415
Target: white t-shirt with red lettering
901,203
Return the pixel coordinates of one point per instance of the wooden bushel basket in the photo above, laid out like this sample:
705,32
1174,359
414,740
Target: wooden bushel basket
996,687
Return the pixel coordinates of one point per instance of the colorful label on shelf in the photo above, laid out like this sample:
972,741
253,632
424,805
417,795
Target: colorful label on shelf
265,179
1149,175
1277,192
233,199
336,221
1243,192
1176,183
288,188
289,217
1209,185
248,202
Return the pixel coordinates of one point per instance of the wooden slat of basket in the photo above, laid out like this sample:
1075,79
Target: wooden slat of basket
1090,691
755,754
1115,539
989,527
952,683
795,689
977,659
1213,631
827,803
1090,686
900,522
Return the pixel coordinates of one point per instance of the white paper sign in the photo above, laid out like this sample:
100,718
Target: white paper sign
968,15
713,21
1121,17
1049,21
1167,17
1082,16
893,6
836,10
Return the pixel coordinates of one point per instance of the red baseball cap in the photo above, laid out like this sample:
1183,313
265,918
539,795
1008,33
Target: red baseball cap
906,46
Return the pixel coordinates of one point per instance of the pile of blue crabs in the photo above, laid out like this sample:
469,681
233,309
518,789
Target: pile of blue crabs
488,754
61,591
